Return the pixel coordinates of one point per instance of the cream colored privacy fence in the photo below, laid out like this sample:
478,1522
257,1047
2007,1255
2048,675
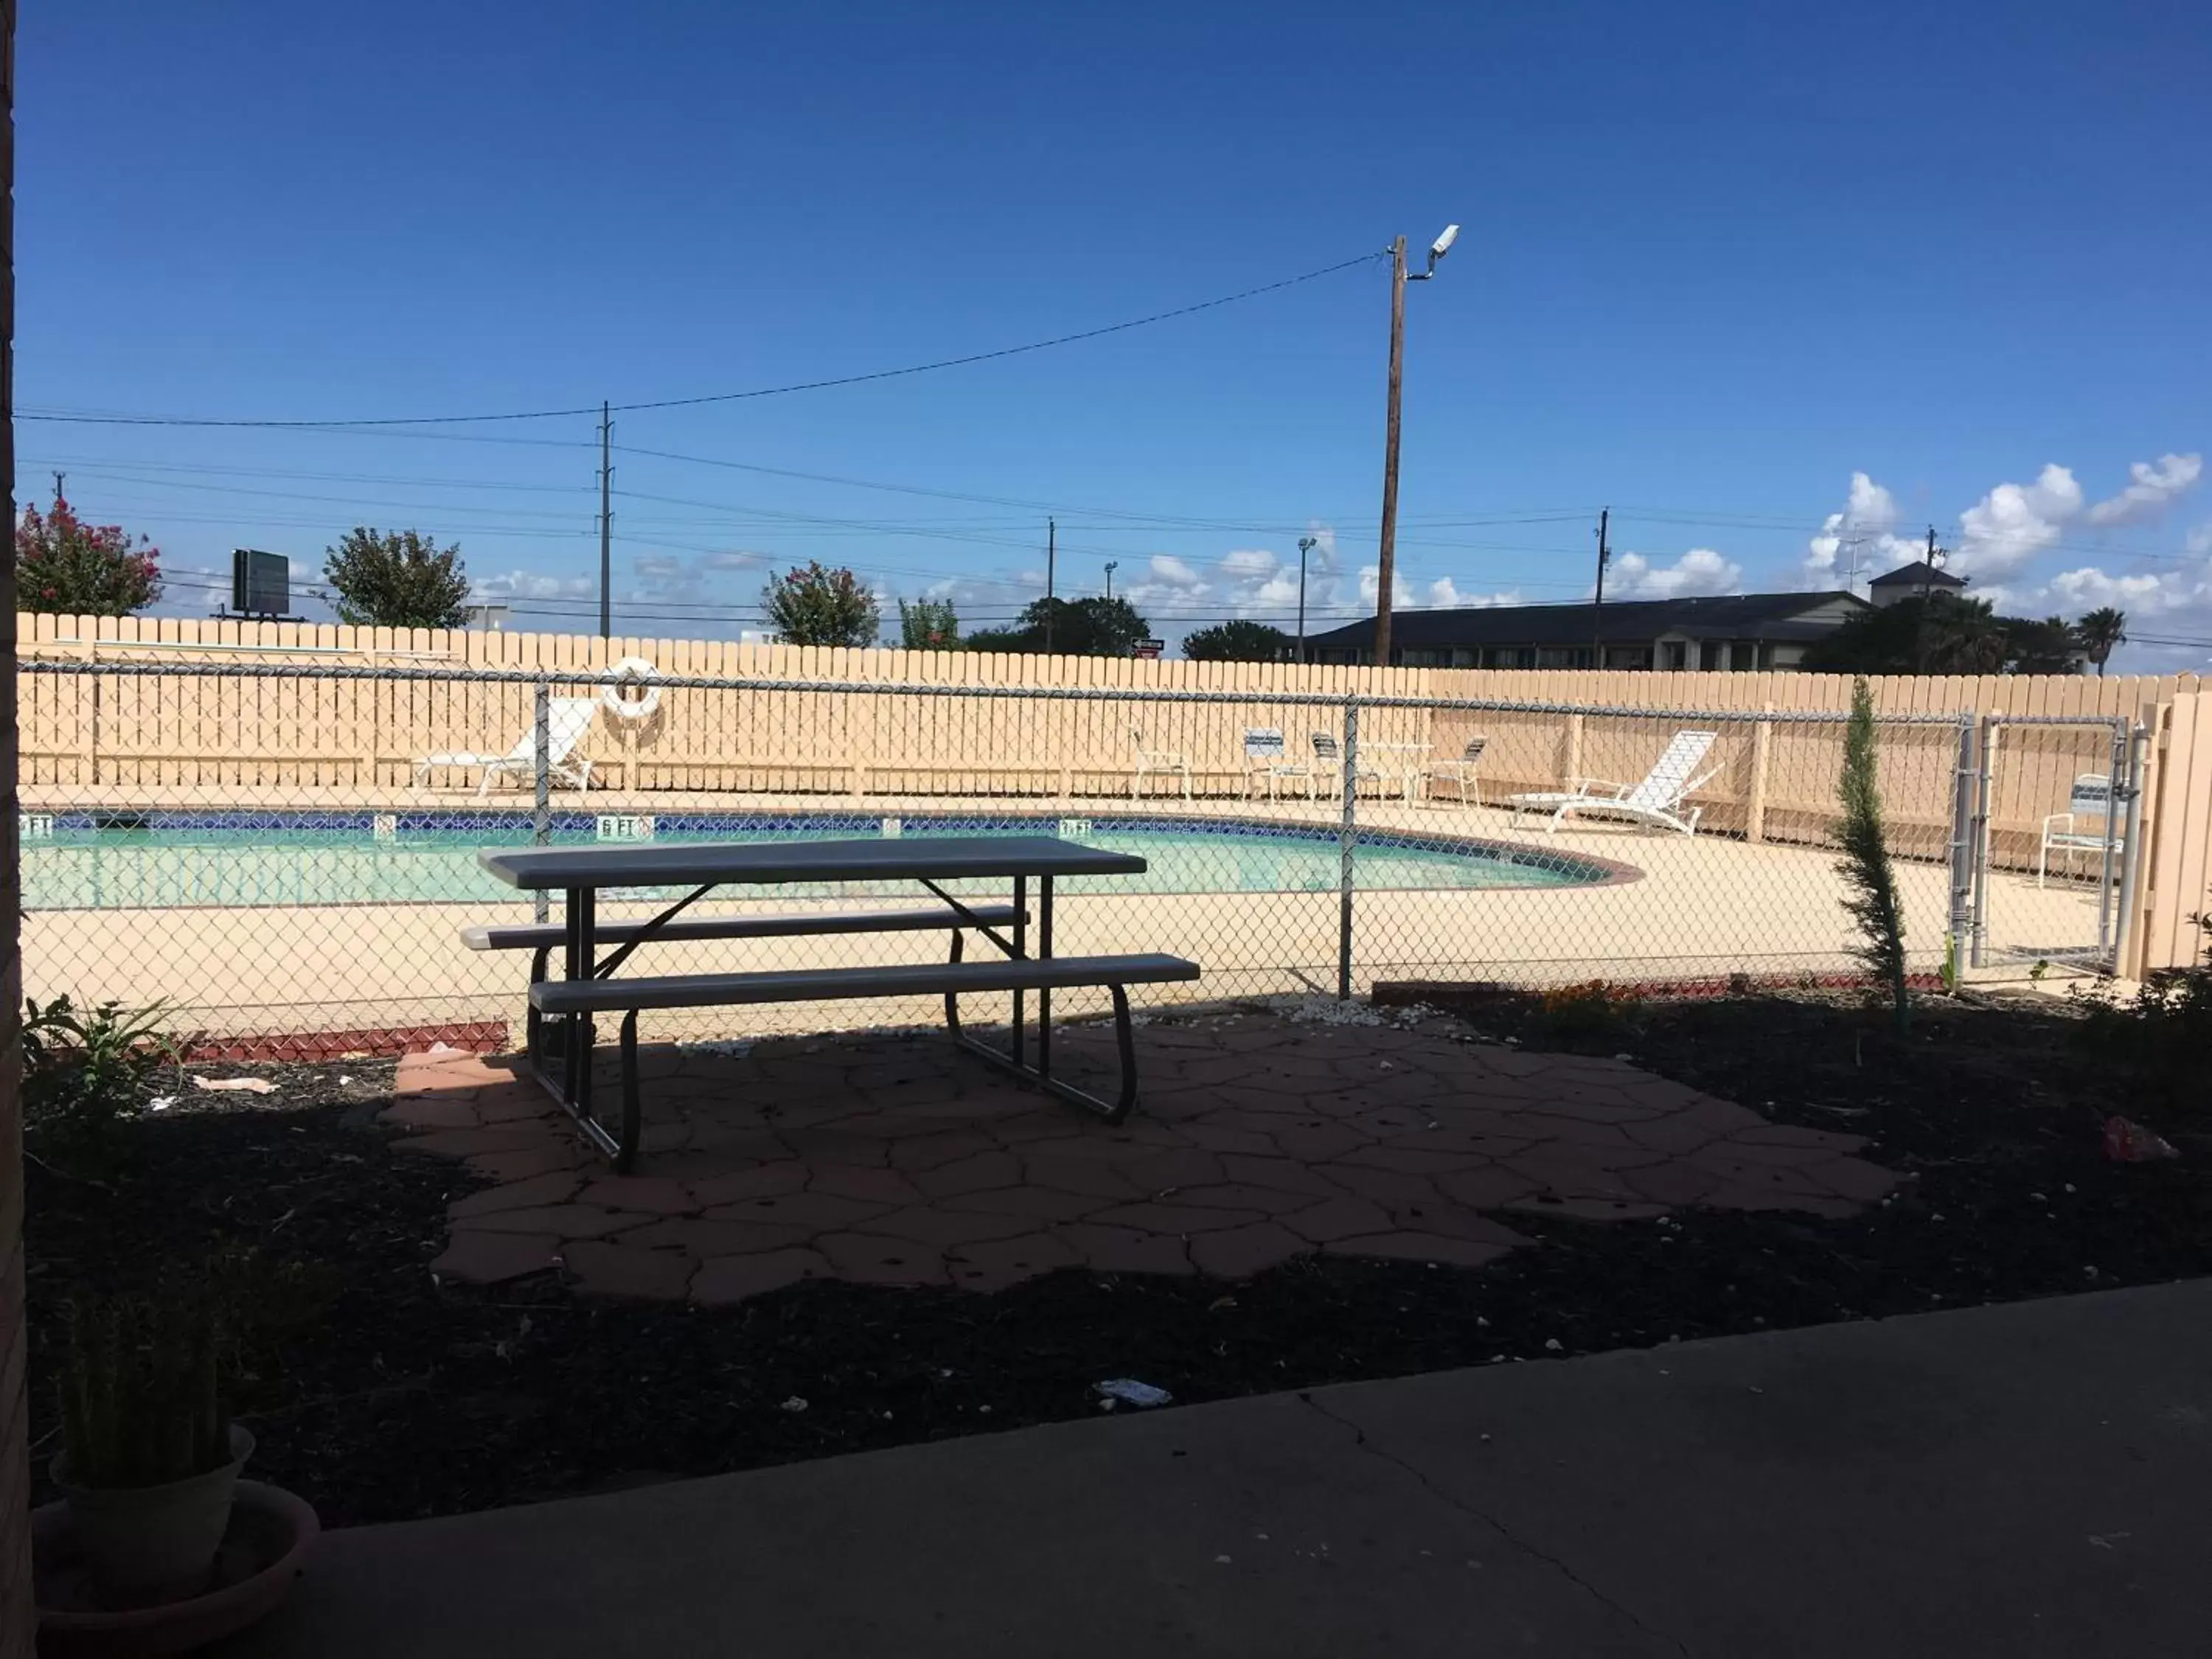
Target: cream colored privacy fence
245,827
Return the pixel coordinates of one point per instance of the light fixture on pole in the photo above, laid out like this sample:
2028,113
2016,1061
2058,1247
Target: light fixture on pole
1306,545
1112,565
1387,562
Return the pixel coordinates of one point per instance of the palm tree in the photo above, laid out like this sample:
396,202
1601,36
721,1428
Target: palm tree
1961,636
2098,632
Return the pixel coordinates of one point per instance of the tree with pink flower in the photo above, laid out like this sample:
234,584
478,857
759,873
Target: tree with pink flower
68,566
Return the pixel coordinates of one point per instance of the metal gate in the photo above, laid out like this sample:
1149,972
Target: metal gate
2057,815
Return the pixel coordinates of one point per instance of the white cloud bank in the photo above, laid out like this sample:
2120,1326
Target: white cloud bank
1699,574
1860,541
2013,523
2152,488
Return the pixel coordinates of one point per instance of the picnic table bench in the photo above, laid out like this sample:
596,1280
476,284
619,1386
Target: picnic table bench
562,1032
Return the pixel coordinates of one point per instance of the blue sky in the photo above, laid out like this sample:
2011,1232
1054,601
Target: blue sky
1773,283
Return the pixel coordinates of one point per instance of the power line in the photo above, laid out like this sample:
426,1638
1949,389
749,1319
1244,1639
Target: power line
720,397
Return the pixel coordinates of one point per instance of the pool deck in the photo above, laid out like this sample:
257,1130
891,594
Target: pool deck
1700,907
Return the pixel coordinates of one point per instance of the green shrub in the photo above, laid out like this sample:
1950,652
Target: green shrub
1873,903
1590,1009
2163,1032
87,1074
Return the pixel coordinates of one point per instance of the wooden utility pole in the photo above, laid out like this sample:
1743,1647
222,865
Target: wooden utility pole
1387,562
606,530
59,476
1051,559
1597,609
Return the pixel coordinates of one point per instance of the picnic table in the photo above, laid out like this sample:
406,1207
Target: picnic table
562,1032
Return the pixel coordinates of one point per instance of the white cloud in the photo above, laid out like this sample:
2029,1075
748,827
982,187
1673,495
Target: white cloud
1247,563
2144,594
1698,573
1444,595
2015,522
1862,538
1175,575
2199,543
530,585
1370,586
2153,487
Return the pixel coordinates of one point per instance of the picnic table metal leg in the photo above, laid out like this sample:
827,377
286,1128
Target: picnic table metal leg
1044,996
1021,950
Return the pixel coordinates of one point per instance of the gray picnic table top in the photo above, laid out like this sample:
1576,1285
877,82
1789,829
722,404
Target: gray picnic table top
776,862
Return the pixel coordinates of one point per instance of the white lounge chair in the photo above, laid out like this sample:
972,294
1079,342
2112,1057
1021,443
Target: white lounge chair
2081,829
1266,755
567,721
1164,763
1461,773
1329,762
1656,800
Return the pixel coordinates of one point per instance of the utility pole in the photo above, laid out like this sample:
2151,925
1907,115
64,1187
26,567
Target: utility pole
1927,587
1306,545
59,476
1051,557
1112,565
1386,565
1597,609
606,529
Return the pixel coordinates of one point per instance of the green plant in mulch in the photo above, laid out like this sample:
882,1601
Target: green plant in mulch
1588,1010
142,1395
2163,1032
87,1074
1873,900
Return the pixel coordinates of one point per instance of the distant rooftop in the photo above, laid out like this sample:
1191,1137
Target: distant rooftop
1918,574
1729,617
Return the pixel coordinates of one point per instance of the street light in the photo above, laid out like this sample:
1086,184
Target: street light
1112,565
1306,545
1387,565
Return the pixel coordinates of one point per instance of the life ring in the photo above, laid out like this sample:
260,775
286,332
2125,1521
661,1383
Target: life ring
632,671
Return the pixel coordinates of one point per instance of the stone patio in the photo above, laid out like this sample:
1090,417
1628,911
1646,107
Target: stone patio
889,1158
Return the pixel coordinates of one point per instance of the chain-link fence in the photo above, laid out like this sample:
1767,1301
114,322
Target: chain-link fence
287,854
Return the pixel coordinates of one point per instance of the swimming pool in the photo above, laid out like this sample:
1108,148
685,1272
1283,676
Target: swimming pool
161,859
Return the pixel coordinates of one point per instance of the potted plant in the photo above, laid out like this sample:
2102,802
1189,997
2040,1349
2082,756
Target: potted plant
151,1458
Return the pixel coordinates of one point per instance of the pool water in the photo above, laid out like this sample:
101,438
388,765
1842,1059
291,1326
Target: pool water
163,860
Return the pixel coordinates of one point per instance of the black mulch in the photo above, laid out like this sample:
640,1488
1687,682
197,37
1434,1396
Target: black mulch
398,1397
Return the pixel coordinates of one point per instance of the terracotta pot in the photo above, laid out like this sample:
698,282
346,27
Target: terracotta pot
147,1545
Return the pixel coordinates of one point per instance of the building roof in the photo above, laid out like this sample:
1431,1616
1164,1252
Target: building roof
1918,574
1732,616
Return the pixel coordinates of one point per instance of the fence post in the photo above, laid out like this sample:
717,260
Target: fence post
2108,862
1346,835
1573,769
542,777
1963,783
2130,849
1985,787
1762,740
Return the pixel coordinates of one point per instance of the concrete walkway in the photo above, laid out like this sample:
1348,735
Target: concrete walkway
2013,1481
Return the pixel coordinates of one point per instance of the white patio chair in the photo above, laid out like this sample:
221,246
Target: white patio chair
1461,773
2082,828
1266,756
1657,800
1162,762
567,721
1329,762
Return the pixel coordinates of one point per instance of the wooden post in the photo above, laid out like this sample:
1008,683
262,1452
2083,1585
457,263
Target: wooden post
1762,741
1387,560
